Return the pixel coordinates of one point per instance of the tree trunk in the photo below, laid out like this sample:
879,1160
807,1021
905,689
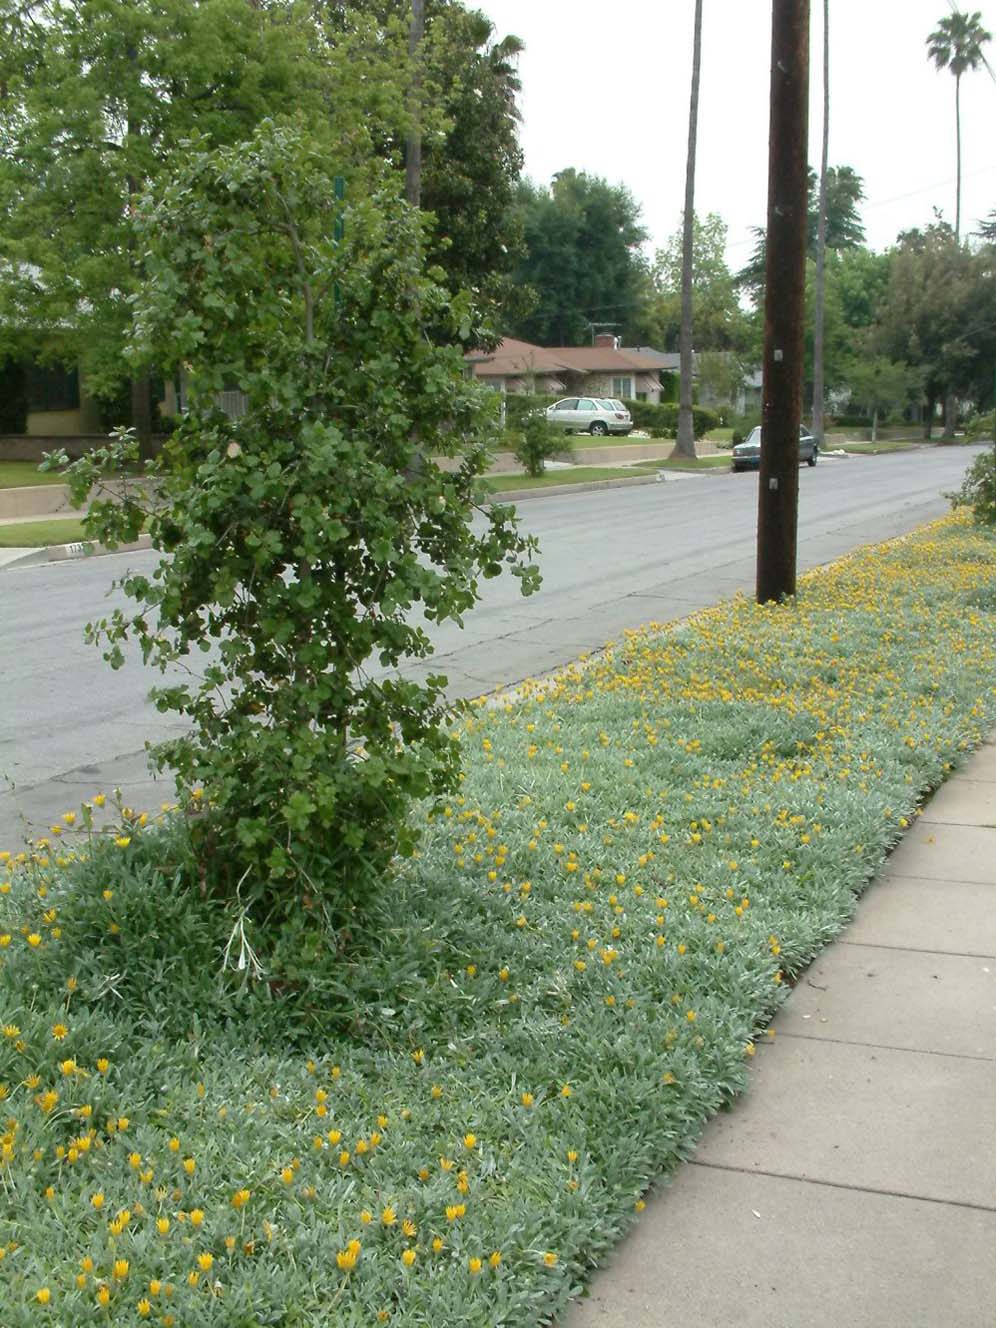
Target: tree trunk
685,442
929,425
141,414
875,425
958,156
821,241
950,414
413,143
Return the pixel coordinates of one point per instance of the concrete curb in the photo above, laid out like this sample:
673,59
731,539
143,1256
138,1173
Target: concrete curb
555,490
60,553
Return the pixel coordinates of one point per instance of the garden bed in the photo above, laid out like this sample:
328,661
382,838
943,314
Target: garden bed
539,1012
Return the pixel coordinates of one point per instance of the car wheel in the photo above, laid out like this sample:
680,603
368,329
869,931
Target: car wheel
598,429
812,460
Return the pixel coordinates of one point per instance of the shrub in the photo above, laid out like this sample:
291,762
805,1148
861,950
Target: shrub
538,442
308,537
520,405
978,489
981,426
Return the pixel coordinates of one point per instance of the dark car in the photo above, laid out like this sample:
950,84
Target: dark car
747,455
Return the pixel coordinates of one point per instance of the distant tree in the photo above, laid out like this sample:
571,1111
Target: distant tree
956,44
821,241
720,322
685,440
98,96
583,259
937,315
880,384
844,228
470,156
987,229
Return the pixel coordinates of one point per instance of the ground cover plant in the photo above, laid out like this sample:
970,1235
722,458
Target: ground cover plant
463,1109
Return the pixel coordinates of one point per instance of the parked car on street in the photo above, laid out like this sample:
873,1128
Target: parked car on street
747,455
595,415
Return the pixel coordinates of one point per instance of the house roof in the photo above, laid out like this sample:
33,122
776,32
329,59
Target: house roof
513,357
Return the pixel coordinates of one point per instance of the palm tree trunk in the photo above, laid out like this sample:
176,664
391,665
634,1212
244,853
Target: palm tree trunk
685,442
958,156
821,241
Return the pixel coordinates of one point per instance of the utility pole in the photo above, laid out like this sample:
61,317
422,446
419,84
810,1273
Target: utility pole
413,143
784,301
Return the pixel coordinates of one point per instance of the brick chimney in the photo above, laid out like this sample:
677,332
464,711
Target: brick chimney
607,341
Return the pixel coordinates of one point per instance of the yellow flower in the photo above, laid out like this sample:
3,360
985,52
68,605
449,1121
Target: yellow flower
43,1295
205,1261
103,1064
122,841
495,1259
103,1297
388,1216
527,1099
189,1165
470,1141
59,1031
120,1269
99,800
474,1264
549,1259
408,1227
437,1244
196,1217
97,1200
162,1225
144,1308
34,940
408,1258
240,1198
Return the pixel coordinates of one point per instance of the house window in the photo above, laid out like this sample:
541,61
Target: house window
51,387
622,387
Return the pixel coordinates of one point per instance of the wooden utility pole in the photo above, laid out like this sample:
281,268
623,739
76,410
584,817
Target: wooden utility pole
685,442
784,301
413,144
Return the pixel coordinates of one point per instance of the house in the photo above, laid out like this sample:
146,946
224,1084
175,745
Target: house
604,369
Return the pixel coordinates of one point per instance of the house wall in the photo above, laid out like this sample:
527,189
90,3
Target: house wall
64,423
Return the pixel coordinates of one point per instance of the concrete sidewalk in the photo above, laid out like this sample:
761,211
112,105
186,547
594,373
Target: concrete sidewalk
854,1184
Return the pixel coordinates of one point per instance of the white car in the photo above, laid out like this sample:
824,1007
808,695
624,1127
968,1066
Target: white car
595,415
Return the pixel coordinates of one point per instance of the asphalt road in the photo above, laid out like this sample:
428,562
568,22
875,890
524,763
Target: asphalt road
610,559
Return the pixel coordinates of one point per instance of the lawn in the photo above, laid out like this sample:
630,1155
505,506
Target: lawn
537,1014
20,474
37,534
885,445
699,463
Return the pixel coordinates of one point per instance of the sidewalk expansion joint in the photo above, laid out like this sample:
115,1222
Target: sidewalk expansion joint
916,949
888,1046
839,1185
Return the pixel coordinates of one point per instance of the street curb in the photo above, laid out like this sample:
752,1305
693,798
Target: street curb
60,553
555,490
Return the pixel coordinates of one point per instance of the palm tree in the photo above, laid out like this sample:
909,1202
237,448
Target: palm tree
821,241
685,441
957,45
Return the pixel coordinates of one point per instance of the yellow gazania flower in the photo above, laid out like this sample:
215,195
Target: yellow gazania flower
205,1261
408,1258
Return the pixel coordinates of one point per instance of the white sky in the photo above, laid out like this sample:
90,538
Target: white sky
606,86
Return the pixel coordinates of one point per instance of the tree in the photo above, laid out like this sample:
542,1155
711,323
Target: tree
685,441
583,259
956,44
309,539
98,96
880,384
844,229
937,314
471,161
720,322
